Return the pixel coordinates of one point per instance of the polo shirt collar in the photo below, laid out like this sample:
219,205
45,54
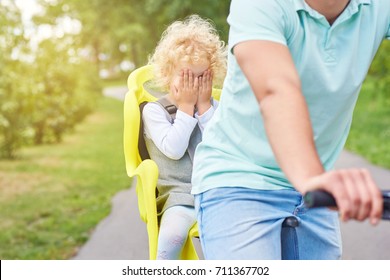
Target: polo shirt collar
352,8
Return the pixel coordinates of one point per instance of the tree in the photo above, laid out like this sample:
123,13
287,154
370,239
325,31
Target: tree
44,96
120,30
13,101
44,92
66,90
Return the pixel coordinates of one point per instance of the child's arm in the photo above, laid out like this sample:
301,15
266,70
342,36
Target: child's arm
205,108
206,116
171,139
186,94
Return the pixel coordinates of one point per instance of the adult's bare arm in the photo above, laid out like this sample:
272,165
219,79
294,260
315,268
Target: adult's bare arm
271,73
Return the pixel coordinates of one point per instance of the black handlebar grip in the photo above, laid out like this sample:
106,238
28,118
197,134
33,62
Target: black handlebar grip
319,199
386,205
324,199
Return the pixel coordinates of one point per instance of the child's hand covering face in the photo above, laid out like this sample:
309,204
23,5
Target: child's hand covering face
192,86
186,92
205,89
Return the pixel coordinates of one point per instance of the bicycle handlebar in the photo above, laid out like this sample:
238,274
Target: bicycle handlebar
324,199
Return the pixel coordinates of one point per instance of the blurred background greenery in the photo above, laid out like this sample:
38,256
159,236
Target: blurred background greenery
61,156
50,67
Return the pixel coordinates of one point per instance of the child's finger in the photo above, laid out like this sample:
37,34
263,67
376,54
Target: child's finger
185,79
196,84
181,79
190,79
205,79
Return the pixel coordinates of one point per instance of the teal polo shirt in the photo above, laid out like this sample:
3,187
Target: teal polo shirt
332,62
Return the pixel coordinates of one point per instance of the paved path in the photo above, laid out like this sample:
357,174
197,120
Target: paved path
361,240
122,235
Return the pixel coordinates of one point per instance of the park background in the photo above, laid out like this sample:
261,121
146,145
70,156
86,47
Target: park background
61,151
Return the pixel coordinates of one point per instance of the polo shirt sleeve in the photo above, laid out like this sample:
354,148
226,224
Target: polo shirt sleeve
258,20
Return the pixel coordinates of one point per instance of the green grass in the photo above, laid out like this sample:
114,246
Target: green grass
54,195
370,132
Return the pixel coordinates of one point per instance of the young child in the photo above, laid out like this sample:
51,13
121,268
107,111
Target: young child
188,58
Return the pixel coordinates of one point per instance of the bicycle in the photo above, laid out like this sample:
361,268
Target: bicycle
319,199
324,199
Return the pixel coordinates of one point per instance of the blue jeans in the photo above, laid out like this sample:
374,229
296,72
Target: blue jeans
243,223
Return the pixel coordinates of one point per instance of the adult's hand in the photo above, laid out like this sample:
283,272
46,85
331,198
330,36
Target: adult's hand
356,194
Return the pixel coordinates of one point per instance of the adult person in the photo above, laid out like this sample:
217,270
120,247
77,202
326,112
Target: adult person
295,69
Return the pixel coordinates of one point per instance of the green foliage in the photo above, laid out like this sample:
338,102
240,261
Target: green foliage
380,72
129,29
380,67
14,108
45,92
370,132
166,11
65,92
13,102
54,195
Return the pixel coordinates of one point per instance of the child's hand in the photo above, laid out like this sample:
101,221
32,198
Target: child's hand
186,95
205,90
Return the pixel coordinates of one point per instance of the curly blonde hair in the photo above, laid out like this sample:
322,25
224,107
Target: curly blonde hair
193,40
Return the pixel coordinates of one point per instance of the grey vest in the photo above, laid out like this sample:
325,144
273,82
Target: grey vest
174,180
